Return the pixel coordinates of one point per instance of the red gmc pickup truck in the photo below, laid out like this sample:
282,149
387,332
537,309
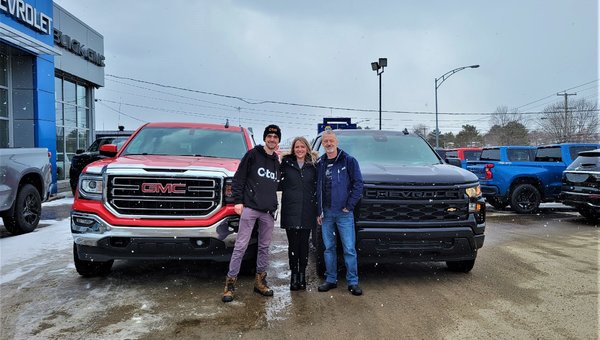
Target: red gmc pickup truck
165,195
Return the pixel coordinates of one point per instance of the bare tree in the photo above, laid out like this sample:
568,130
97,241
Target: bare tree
578,123
502,116
420,129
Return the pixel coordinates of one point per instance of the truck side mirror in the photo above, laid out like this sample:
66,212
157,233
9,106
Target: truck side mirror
79,151
108,150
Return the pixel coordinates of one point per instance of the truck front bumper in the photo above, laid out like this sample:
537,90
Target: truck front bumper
409,245
409,242
97,240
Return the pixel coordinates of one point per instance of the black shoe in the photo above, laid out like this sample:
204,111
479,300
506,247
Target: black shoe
326,286
294,282
302,280
355,290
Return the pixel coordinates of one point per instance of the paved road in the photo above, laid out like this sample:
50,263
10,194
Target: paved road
536,277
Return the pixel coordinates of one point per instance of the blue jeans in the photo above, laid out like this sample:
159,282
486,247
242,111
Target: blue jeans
345,227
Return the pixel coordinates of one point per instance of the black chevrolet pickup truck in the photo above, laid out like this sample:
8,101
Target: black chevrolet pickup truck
414,206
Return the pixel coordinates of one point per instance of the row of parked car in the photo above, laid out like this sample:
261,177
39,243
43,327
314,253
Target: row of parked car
525,176
521,177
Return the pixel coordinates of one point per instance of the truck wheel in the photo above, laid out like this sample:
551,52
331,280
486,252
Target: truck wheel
460,266
525,199
26,211
498,203
90,268
589,214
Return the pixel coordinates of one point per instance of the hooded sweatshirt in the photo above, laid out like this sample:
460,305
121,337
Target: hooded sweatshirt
256,179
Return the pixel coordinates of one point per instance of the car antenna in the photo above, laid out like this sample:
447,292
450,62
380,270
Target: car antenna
226,123
405,131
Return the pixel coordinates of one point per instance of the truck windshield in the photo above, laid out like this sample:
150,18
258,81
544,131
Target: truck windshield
388,149
187,142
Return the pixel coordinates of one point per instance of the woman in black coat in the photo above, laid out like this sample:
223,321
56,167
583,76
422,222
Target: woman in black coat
298,206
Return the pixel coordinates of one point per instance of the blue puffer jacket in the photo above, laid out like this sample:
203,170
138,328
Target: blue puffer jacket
347,186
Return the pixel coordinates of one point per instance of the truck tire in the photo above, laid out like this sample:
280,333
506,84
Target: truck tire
90,268
525,199
498,203
26,211
460,266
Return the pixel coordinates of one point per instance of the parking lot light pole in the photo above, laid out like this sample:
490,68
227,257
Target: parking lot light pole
437,84
376,66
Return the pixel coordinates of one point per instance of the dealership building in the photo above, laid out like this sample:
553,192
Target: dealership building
51,63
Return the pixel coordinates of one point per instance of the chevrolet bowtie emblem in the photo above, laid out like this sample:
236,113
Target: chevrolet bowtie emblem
451,209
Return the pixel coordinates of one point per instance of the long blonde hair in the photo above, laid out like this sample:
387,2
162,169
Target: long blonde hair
310,154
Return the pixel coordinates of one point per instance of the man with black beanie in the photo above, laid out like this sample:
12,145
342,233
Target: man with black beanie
255,197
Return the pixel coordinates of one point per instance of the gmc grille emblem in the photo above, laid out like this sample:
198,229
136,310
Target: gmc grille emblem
170,188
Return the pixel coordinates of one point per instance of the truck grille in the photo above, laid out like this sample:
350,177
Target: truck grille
413,204
163,196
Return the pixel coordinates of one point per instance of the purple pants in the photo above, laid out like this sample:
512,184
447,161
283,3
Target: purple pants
265,233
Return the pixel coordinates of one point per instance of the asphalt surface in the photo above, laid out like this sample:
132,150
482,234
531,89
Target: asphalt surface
535,278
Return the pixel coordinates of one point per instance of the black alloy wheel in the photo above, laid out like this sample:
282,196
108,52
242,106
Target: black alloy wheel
26,211
525,199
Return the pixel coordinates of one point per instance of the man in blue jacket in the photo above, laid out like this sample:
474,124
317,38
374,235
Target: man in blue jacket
339,188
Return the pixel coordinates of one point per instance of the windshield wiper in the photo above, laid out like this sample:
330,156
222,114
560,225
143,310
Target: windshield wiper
201,155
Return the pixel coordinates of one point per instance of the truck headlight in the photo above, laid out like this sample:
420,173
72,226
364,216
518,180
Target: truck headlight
474,195
91,187
473,192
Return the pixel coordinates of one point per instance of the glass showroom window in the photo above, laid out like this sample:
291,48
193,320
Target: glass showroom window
4,112
72,122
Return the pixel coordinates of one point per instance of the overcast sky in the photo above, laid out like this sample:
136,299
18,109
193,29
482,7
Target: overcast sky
319,53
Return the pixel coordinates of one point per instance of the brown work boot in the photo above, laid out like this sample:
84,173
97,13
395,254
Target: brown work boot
229,289
260,285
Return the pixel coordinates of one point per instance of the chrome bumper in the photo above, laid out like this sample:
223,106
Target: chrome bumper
87,229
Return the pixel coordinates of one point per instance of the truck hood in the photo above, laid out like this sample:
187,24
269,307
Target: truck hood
417,175
168,162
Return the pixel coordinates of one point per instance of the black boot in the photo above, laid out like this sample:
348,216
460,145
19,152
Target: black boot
294,282
302,280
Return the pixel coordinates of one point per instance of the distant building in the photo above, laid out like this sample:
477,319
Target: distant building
50,65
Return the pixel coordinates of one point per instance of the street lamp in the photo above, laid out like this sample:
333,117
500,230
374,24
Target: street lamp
442,79
376,66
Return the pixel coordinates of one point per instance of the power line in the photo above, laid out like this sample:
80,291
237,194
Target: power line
248,101
187,113
552,95
123,113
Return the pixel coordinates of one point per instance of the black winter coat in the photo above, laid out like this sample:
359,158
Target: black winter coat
256,180
298,199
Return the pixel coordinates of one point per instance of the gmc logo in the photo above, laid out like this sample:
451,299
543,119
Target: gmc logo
170,188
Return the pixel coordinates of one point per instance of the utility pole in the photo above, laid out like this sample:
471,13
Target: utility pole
566,126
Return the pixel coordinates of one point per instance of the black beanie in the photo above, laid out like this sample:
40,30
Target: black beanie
272,129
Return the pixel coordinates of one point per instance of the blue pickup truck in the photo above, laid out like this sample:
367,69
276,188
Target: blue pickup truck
522,176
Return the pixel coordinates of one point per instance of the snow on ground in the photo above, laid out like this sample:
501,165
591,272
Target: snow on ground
17,251
59,201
